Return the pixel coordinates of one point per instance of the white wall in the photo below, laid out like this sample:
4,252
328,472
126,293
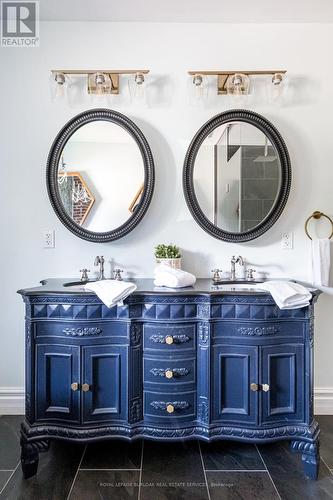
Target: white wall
29,122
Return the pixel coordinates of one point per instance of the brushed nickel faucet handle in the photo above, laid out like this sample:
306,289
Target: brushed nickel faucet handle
117,274
84,276
216,275
249,274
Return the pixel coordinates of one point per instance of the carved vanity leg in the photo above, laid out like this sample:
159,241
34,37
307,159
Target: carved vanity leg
30,456
310,456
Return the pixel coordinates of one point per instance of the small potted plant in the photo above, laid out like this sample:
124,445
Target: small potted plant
169,255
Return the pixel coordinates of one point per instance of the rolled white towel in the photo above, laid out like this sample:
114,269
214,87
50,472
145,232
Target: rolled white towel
172,278
111,292
287,294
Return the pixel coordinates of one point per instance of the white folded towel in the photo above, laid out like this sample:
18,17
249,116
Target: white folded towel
320,257
172,278
287,294
111,292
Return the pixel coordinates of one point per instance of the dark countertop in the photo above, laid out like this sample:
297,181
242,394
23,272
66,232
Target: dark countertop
145,286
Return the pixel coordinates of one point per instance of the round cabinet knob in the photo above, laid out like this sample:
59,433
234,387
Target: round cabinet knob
265,387
75,386
169,339
254,387
85,387
168,373
170,408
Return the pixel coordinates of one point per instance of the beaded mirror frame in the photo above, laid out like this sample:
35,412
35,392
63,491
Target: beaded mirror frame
52,174
276,140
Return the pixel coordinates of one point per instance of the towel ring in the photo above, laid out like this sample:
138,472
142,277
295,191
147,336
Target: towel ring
317,215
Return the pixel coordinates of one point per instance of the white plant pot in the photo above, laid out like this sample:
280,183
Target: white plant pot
175,263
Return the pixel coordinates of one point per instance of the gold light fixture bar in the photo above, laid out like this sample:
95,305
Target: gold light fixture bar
113,74
222,76
106,71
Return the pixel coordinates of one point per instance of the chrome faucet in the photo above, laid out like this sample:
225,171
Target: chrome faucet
99,261
235,260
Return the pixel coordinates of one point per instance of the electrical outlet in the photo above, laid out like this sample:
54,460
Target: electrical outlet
48,239
287,241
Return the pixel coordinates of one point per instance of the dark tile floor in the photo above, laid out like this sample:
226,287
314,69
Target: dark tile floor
163,471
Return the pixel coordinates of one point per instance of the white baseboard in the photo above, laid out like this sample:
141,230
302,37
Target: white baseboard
323,401
12,401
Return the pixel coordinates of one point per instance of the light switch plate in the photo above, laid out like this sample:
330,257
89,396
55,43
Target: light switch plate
287,241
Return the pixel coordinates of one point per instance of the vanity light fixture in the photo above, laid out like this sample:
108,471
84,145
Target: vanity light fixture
237,82
100,82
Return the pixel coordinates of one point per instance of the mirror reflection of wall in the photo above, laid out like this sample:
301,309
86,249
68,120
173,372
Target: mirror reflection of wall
110,171
237,176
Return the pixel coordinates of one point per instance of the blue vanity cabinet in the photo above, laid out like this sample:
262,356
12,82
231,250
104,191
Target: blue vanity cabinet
168,366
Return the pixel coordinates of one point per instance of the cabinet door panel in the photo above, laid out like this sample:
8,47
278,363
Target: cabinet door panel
104,370
57,369
235,368
282,371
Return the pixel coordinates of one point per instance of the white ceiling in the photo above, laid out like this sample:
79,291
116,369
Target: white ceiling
189,11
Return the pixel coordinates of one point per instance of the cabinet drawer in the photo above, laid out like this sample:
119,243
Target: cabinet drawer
166,406
169,372
70,330
259,330
169,337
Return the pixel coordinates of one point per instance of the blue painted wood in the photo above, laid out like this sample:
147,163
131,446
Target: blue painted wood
104,369
234,369
57,368
155,407
283,371
221,344
157,372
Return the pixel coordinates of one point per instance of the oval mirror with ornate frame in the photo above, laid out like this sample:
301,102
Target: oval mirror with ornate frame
100,175
237,176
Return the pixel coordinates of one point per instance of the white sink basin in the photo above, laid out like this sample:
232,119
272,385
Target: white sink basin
234,287
76,287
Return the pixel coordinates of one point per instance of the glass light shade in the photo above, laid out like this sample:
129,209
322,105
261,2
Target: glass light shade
102,83
238,84
137,85
198,89
59,86
277,86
